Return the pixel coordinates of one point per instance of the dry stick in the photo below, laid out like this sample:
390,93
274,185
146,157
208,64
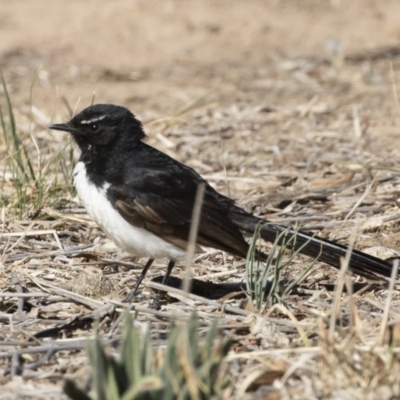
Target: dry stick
381,307
291,316
344,262
361,199
25,295
4,254
349,287
295,366
65,252
218,274
135,308
194,228
344,265
18,287
54,347
23,234
14,343
141,309
76,106
224,307
249,355
57,239
385,316
123,263
90,303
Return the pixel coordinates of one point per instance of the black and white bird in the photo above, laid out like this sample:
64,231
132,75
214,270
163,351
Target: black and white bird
143,199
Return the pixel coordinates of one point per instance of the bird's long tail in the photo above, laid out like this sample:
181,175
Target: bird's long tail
322,249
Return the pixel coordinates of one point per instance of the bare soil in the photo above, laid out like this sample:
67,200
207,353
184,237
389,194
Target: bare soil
289,107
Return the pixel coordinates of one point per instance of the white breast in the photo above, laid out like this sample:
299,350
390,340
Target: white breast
136,241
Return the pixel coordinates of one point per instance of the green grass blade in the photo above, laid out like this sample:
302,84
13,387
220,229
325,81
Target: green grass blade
13,129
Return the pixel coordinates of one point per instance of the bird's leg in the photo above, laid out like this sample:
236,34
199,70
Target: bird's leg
156,301
132,293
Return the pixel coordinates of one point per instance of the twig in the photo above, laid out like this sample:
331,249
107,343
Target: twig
54,347
24,295
344,265
93,304
18,287
361,199
194,227
385,316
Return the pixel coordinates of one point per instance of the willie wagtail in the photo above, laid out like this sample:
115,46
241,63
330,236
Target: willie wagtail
143,199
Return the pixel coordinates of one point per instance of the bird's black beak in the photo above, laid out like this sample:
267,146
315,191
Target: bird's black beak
62,127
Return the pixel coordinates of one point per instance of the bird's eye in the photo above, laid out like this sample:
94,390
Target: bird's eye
94,127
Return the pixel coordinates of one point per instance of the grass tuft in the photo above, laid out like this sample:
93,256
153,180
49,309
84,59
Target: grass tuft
34,174
263,278
189,369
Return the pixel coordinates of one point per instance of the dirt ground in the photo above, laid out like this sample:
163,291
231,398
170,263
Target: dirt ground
290,107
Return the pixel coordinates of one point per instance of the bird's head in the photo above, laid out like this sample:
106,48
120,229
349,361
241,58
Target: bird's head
101,125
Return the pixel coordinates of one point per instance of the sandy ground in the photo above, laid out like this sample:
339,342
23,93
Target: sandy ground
288,106
159,55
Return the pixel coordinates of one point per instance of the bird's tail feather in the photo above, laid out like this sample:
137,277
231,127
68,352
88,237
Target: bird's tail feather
323,249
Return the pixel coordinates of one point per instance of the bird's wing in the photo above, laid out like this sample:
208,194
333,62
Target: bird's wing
162,201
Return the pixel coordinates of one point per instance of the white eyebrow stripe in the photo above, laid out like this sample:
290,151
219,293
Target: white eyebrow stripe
91,121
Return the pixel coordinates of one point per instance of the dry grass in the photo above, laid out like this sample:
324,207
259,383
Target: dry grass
300,140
